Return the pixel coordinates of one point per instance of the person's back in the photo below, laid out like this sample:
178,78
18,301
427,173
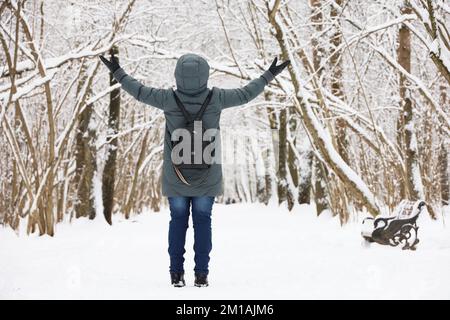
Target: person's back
196,187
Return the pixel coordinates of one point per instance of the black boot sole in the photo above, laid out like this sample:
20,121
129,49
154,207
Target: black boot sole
200,285
178,285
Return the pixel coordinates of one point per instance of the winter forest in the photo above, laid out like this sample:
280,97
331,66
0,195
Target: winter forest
358,122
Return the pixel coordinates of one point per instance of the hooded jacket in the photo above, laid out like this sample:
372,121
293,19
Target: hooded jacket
191,75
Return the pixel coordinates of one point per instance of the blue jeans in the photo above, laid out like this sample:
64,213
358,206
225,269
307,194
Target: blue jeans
201,217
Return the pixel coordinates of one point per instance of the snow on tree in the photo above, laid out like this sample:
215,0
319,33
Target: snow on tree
360,121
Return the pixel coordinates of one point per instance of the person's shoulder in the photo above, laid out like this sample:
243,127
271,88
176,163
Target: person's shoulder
216,91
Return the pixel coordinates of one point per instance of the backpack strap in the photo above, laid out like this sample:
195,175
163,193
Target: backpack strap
200,113
186,114
204,105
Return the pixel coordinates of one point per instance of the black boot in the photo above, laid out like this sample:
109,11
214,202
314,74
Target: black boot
177,279
201,280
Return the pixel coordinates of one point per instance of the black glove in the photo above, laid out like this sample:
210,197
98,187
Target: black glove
112,65
276,70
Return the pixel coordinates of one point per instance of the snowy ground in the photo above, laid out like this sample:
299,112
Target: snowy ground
259,253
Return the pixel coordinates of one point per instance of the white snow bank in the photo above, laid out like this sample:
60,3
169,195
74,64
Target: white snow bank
258,253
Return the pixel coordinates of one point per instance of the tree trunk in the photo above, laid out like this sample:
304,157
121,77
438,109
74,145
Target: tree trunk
132,195
336,80
282,156
443,160
270,178
291,157
109,171
412,183
320,195
319,171
432,29
304,184
85,156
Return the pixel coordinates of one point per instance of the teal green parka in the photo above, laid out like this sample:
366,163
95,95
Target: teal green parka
191,75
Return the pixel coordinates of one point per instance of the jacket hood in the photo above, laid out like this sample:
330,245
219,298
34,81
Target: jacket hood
191,74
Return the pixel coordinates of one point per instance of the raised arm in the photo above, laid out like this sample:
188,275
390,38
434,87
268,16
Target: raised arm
148,95
240,96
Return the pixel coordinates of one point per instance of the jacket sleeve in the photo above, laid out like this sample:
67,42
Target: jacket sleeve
148,95
240,96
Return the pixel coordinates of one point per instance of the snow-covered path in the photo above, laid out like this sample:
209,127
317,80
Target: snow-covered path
259,252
